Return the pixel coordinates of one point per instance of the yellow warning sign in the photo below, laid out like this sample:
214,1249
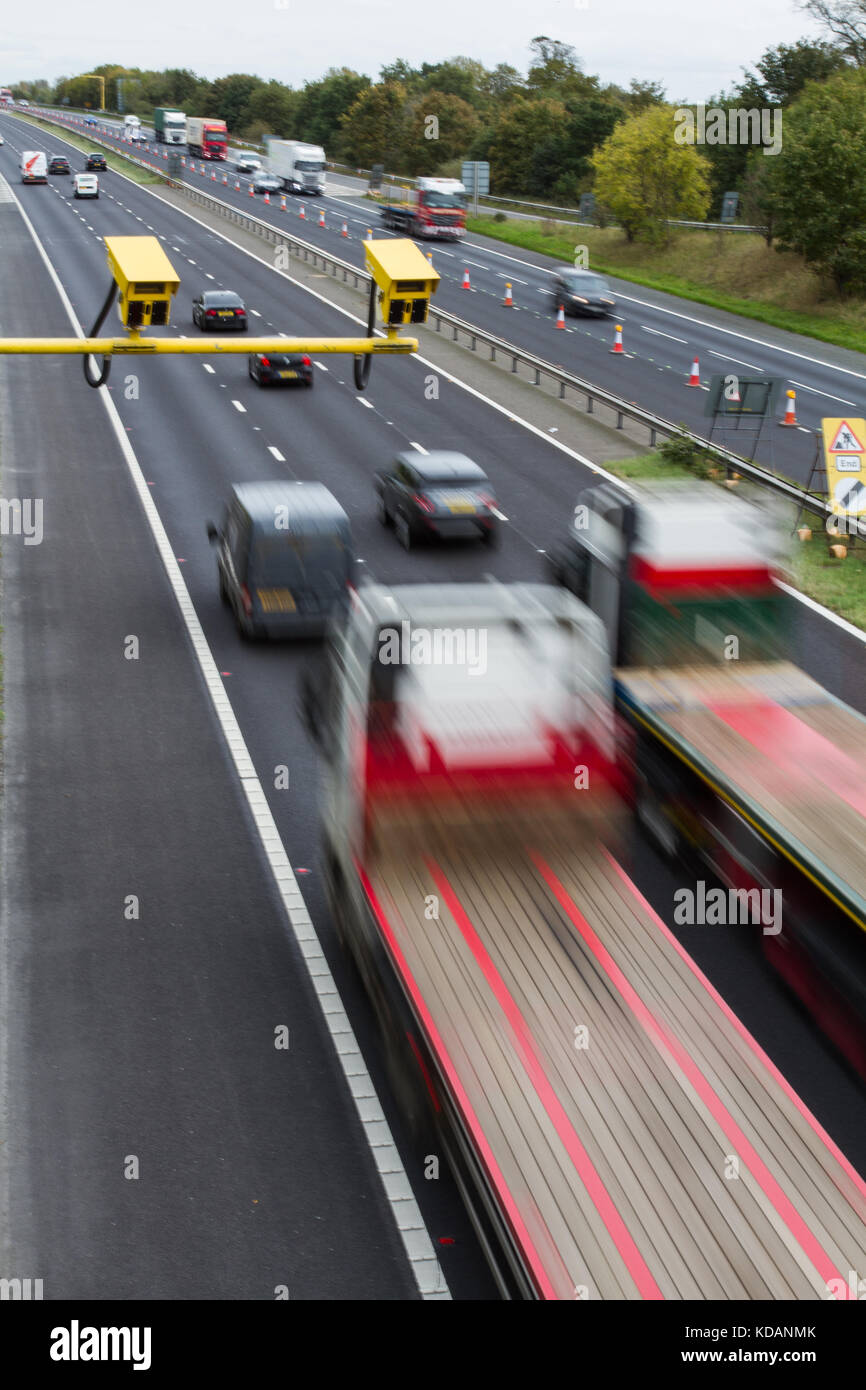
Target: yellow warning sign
845,461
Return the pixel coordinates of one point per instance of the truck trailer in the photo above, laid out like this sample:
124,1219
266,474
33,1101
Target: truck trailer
300,167
543,1027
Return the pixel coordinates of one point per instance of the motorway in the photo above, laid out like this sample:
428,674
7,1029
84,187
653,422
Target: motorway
661,333
172,1051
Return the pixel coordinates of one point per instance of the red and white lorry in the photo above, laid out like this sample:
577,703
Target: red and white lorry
433,208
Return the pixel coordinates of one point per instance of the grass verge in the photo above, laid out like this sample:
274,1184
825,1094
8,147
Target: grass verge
116,161
735,271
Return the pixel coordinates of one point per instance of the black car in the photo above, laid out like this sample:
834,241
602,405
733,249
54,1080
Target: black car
219,309
58,164
439,494
273,368
96,161
582,292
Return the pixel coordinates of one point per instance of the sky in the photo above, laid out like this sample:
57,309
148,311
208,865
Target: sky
694,49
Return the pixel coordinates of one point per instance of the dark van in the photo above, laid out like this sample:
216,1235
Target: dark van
284,557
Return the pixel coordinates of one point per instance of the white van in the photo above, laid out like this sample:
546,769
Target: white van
85,186
33,166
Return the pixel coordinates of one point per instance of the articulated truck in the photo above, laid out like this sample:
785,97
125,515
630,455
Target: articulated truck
206,138
169,126
433,208
544,1030
300,167
744,765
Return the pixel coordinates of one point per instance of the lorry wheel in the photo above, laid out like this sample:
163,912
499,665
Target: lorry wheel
403,531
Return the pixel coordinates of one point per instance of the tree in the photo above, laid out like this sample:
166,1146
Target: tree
271,110
784,72
525,131
322,104
373,126
640,95
437,127
644,177
846,19
229,98
759,201
820,185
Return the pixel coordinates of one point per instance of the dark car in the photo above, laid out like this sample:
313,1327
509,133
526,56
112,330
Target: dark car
96,161
263,182
582,292
274,368
219,309
284,557
58,164
439,494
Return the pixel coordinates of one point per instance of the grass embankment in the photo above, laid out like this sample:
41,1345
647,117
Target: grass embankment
736,271
839,585
113,158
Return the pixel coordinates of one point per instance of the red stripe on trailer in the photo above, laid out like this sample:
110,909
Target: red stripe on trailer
521,1234
655,1029
522,1037
702,577
793,745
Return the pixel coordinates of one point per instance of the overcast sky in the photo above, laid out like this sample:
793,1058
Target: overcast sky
694,48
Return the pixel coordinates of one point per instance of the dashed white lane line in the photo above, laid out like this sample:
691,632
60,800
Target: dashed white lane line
361,401
512,279
801,386
208,275
242,408
740,363
256,312
321,366
658,334
418,447
208,368
498,514
272,449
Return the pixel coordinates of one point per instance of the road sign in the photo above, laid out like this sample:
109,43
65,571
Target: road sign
587,207
732,394
845,440
845,462
729,206
475,176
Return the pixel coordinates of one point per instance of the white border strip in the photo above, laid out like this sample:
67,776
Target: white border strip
407,1214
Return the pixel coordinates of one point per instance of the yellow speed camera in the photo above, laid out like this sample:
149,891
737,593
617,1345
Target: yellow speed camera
145,277
405,278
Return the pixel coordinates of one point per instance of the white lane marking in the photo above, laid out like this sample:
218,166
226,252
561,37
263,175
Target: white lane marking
419,448
659,334
362,401
256,312
726,358
377,1132
834,618
499,514
208,368
208,275
477,264
272,449
801,386
440,252
321,366
242,408
512,279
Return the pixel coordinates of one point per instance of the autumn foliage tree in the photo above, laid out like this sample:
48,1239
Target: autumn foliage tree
645,178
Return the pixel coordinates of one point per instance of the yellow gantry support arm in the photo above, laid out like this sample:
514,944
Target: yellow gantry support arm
241,344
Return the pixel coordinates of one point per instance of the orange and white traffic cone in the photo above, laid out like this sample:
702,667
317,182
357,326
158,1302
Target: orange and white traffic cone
237,185
252,195
466,285
321,217
430,257
345,231
267,197
560,317
202,169
283,203
213,177
301,213
508,302
617,342
695,378
225,178
790,410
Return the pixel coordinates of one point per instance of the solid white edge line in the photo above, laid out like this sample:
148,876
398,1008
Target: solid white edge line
398,1191
824,612
470,390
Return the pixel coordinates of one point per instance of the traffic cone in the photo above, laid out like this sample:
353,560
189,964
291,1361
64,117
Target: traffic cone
237,185
430,257
252,195
302,214
267,197
202,169
508,302
790,411
695,378
466,285
321,217
369,233
213,177
345,231
617,342
560,318
225,178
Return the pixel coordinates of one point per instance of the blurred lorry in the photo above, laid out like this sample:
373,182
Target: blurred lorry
169,126
206,138
544,1030
743,764
300,167
433,208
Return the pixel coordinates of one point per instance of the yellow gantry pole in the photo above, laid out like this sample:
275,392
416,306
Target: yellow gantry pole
106,347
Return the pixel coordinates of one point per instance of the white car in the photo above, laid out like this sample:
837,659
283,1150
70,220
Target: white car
2,140
85,186
248,163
